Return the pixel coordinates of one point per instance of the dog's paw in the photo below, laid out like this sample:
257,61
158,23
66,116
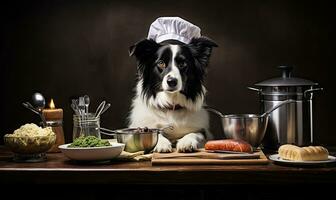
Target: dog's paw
163,145
188,143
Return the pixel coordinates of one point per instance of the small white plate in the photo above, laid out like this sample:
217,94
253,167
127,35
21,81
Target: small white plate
277,158
92,153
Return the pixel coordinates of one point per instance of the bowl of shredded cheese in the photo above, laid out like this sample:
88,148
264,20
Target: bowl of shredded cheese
30,139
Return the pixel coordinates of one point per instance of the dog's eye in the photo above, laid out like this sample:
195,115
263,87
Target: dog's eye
161,64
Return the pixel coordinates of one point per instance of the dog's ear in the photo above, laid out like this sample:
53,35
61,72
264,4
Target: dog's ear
143,48
201,49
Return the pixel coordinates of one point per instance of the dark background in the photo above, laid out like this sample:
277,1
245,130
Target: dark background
66,48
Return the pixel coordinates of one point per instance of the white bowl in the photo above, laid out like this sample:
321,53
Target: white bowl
92,153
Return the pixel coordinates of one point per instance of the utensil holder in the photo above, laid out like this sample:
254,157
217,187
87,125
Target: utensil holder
86,125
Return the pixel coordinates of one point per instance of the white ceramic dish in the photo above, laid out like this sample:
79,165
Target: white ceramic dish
277,158
92,153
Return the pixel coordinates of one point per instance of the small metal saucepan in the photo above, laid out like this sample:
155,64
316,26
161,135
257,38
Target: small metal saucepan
248,127
136,139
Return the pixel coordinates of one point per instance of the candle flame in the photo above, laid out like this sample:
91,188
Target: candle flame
51,104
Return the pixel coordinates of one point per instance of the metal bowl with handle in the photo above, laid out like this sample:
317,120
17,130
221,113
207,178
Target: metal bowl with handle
248,127
136,139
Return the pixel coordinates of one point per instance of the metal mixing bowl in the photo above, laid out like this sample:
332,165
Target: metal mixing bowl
248,127
135,139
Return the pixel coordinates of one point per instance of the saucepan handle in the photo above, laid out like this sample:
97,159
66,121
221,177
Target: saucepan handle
106,131
268,112
110,132
208,108
255,89
312,90
169,127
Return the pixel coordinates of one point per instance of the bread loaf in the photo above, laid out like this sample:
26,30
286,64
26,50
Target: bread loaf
311,153
229,145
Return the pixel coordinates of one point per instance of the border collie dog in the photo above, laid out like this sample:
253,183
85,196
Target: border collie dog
170,91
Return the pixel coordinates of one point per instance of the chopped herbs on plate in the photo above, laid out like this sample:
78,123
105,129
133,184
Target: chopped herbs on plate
89,141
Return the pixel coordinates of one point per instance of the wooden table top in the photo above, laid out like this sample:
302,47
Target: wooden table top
59,169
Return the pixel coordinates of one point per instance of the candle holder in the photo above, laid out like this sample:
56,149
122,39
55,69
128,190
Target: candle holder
57,127
54,119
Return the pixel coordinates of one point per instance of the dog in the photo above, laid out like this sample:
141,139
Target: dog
170,91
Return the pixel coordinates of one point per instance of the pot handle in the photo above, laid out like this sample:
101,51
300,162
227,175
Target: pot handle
170,127
311,90
208,108
106,131
255,89
110,132
268,112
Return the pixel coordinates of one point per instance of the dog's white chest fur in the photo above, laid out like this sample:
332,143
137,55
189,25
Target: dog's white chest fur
184,121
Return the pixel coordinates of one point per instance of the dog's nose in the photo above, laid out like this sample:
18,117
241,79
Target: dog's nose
172,82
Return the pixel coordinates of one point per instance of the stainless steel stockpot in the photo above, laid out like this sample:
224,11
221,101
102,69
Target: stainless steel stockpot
292,123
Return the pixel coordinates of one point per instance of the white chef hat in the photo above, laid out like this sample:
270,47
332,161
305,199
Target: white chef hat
173,28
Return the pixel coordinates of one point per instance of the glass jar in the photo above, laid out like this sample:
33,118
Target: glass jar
86,125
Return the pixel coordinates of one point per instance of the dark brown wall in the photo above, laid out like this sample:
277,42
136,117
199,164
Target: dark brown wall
67,48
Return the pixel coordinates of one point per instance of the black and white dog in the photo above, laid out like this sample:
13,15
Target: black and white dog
170,91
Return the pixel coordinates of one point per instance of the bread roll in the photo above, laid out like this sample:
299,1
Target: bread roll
311,153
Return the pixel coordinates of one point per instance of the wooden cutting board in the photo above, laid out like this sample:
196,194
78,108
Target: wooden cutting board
205,158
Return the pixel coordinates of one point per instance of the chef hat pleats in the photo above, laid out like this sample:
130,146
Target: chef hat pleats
173,28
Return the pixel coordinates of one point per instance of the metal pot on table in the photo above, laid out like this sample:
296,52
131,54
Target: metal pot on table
248,127
137,139
292,123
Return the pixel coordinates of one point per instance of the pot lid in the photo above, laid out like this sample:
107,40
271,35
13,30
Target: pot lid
286,79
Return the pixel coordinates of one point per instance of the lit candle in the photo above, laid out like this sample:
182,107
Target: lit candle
54,118
52,113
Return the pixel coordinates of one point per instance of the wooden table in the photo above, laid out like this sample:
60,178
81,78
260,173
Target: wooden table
59,169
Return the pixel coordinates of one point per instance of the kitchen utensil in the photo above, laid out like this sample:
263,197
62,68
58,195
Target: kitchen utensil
75,105
81,104
136,140
86,103
75,108
30,107
100,109
292,124
39,102
248,127
106,107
